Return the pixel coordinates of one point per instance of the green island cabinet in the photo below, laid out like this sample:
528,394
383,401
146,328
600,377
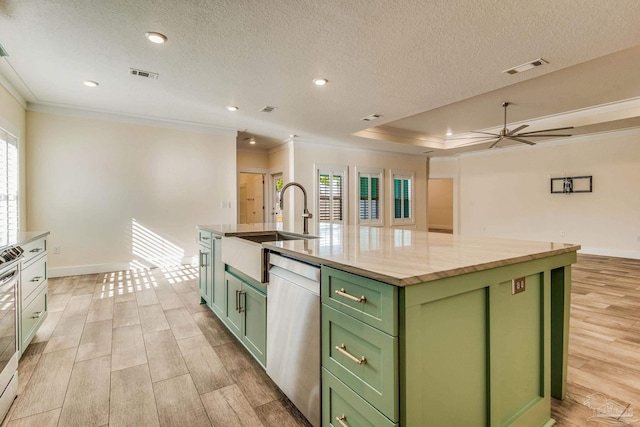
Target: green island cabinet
33,291
238,300
211,273
247,315
458,351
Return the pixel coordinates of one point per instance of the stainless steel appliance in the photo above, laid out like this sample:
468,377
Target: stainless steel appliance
9,281
293,332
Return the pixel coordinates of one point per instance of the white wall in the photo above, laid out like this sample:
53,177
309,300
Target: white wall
308,155
506,193
89,179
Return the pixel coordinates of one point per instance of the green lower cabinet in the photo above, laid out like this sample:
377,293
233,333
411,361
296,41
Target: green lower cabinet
205,276
363,357
233,319
247,316
254,331
219,300
342,407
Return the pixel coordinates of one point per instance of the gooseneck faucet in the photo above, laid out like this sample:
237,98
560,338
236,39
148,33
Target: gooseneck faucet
305,213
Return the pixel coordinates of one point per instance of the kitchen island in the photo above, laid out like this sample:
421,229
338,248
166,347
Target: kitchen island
424,329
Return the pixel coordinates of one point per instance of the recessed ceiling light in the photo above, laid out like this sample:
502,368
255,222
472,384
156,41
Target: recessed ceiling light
320,82
252,141
156,37
91,83
232,108
449,133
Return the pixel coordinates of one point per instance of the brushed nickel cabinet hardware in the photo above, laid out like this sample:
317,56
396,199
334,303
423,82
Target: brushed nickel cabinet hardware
35,250
36,315
341,419
36,279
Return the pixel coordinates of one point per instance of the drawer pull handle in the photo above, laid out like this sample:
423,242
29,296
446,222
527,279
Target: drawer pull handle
341,419
36,315
344,293
36,279
205,238
343,349
35,250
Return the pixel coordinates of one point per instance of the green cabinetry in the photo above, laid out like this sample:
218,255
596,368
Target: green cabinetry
211,273
247,315
457,351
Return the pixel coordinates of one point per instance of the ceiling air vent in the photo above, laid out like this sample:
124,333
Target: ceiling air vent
267,109
142,73
3,52
371,117
526,66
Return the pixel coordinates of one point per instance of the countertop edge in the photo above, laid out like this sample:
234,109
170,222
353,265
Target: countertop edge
427,277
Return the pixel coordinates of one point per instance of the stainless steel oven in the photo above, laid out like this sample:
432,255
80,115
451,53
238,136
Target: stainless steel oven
9,285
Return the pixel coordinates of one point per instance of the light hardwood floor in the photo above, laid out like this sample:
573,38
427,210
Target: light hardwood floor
137,349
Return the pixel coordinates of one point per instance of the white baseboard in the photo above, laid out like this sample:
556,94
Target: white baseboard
78,270
441,227
618,253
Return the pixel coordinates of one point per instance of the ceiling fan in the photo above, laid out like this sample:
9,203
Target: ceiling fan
513,134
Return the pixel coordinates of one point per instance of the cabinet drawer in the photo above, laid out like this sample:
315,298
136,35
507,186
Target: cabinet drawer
204,237
32,250
32,277
32,317
345,343
372,302
338,401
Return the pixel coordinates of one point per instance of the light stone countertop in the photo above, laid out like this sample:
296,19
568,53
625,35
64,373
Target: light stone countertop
21,238
398,256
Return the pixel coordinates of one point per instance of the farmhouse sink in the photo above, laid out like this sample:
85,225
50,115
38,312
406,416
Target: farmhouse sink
244,251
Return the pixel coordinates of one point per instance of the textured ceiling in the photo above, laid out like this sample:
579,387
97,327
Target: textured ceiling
425,66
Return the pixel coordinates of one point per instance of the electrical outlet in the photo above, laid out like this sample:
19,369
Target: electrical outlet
56,250
518,285
638,239
562,234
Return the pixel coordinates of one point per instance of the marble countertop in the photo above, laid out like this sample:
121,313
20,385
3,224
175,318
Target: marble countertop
398,256
21,238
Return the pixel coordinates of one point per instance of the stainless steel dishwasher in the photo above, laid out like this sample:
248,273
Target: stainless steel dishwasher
293,332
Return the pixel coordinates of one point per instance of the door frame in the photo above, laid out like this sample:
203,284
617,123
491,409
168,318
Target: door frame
255,171
456,196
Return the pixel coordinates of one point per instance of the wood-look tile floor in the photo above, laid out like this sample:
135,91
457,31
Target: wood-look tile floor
137,349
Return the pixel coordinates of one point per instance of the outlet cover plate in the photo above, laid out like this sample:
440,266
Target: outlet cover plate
518,285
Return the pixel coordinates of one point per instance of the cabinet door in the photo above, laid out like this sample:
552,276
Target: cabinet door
204,277
218,301
233,287
254,331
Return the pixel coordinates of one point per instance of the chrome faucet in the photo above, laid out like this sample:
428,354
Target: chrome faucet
305,213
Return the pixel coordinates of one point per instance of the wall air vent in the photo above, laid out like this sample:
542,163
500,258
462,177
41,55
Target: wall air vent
371,117
142,73
267,109
3,52
527,66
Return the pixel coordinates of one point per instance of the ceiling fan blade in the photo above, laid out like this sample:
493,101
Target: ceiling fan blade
524,141
546,130
519,128
481,141
526,135
496,143
486,135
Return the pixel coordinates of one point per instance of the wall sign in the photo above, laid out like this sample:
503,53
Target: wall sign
572,184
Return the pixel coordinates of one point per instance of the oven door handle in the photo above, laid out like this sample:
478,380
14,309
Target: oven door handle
6,278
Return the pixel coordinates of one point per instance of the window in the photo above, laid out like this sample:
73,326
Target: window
9,216
402,189
331,194
370,193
